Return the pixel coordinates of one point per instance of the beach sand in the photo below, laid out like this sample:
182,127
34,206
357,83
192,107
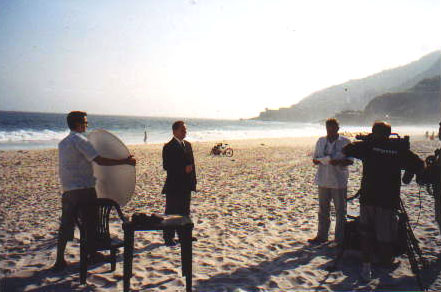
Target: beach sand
253,214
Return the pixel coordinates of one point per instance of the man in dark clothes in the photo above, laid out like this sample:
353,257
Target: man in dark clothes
178,161
383,159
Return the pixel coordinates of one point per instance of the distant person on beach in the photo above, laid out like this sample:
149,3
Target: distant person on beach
427,134
76,154
380,192
331,178
179,163
145,136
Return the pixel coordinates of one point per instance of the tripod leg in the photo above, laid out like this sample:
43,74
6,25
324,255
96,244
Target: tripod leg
412,247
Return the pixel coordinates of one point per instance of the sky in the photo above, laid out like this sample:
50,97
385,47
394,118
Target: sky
216,59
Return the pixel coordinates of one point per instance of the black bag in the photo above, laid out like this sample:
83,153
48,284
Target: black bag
353,235
141,218
352,238
400,242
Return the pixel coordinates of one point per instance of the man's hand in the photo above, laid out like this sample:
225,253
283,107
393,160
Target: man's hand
111,162
407,177
342,162
131,160
188,168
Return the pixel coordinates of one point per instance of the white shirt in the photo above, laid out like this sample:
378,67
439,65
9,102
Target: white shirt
179,140
331,176
75,162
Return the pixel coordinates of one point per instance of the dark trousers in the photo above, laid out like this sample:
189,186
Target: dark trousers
176,204
81,203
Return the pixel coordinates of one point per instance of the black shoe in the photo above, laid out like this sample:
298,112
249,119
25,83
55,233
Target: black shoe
388,265
59,266
336,245
192,239
170,242
96,258
317,240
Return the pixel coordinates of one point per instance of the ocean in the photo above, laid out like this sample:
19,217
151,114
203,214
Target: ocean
27,130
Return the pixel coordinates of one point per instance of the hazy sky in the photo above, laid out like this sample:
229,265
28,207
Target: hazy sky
206,58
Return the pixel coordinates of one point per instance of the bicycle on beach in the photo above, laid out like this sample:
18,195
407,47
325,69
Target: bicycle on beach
222,149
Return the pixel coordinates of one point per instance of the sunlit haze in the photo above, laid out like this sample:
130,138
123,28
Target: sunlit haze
211,59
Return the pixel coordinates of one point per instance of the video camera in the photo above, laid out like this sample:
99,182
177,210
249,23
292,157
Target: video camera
396,142
400,143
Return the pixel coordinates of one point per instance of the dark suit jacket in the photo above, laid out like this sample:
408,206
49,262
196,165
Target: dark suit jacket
175,158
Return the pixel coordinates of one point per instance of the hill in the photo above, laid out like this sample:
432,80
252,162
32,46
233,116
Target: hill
355,95
421,103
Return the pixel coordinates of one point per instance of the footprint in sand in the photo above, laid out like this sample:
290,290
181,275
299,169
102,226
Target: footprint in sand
101,281
167,271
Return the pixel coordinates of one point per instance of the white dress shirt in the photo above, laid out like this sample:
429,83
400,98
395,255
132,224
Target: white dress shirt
331,176
181,142
75,162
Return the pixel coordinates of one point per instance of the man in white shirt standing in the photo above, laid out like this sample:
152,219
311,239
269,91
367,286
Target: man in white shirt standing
331,178
76,154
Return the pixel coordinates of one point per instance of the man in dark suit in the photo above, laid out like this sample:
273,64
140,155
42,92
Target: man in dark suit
178,161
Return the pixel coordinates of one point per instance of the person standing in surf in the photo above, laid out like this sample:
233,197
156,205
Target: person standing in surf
145,134
76,155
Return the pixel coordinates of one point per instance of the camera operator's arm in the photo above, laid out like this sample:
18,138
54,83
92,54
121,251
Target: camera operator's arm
341,159
412,165
355,149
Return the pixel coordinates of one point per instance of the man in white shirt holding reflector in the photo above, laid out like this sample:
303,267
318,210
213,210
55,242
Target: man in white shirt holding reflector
76,154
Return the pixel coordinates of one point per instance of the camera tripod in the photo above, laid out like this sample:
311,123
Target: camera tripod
412,247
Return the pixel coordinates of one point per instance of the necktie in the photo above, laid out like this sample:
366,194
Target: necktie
183,145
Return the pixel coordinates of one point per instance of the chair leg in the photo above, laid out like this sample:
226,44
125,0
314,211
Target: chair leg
83,262
113,253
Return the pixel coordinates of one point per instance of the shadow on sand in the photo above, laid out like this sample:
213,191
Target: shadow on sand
67,280
25,280
251,277
245,278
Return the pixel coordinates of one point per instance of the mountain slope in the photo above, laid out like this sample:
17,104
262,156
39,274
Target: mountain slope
356,94
421,103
